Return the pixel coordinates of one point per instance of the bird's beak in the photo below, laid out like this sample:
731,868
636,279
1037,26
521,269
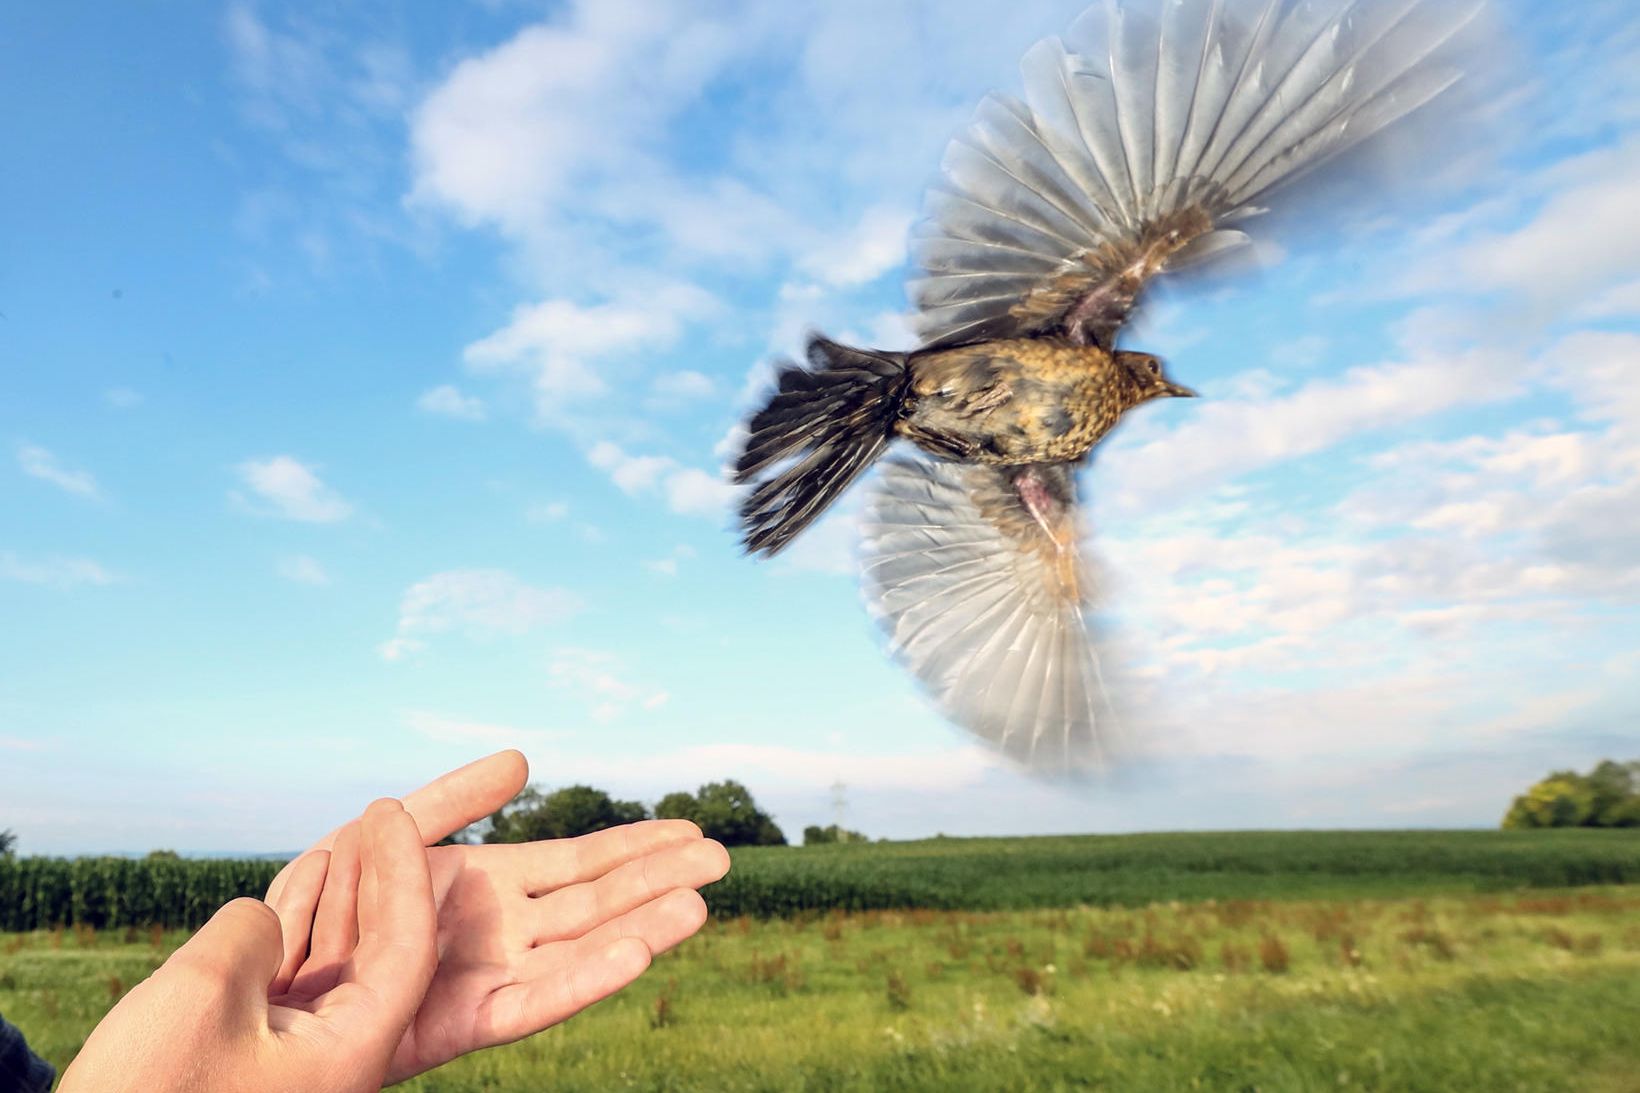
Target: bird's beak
1178,391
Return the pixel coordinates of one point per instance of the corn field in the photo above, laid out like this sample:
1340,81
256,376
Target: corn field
40,893
940,873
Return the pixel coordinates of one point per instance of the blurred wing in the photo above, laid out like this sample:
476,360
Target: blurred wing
1139,143
985,604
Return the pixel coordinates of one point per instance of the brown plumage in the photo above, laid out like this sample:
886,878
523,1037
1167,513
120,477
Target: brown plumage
1145,139
1008,403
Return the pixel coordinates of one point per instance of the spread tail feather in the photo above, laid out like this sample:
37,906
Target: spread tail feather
827,422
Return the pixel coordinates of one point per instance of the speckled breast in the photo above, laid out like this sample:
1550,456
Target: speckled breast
1018,402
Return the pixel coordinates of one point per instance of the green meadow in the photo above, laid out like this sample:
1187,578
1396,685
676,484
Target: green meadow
1379,961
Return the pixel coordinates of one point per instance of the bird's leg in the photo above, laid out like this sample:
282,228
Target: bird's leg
1053,516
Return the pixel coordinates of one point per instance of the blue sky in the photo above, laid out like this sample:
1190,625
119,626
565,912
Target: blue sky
365,381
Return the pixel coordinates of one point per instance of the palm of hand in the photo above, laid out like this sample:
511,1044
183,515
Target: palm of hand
528,934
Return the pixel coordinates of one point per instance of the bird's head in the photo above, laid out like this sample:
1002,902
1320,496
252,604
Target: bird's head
1149,378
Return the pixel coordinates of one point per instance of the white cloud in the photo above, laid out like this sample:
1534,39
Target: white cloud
1228,438
730,444
122,398
324,95
565,140
600,682
395,649
301,569
1619,302
446,400
875,246
477,602
452,730
36,462
776,769
688,491
668,566
556,343
1583,237
290,488
632,473
671,388
53,572
546,512
694,492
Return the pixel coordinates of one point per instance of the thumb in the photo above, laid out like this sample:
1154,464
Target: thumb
234,956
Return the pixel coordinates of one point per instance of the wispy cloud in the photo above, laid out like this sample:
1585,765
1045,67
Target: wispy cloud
560,346
455,730
37,462
446,400
302,569
687,491
875,246
476,602
54,572
668,566
600,681
1234,436
285,486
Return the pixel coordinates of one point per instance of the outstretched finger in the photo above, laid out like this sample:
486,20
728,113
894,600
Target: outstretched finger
466,795
580,908
549,864
524,1008
448,803
295,904
660,924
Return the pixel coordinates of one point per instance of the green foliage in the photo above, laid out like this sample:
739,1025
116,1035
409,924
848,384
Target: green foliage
1608,796
815,835
1134,870
970,874
562,814
8,843
726,812
676,806
37,893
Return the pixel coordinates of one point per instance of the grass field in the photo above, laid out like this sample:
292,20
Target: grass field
1384,984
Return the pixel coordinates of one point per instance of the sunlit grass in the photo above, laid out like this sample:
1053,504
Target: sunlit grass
1531,991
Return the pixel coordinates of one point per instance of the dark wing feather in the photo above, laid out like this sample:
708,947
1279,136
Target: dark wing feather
988,606
1142,137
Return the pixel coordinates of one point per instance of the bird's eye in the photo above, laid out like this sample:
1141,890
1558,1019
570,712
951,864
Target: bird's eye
1154,366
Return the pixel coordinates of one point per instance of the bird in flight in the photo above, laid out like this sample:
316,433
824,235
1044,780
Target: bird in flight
1147,139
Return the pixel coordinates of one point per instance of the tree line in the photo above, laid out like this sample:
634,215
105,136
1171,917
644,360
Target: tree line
1607,796
725,811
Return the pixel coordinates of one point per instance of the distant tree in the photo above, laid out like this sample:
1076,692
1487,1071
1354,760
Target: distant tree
815,835
724,811
676,806
1608,796
561,814
1615,792
164,855
8,843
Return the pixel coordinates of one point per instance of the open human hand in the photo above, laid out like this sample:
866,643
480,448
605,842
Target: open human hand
529,934
207,1021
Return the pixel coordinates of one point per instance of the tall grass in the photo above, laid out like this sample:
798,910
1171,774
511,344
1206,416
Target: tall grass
1131,870
943,874
1523,991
